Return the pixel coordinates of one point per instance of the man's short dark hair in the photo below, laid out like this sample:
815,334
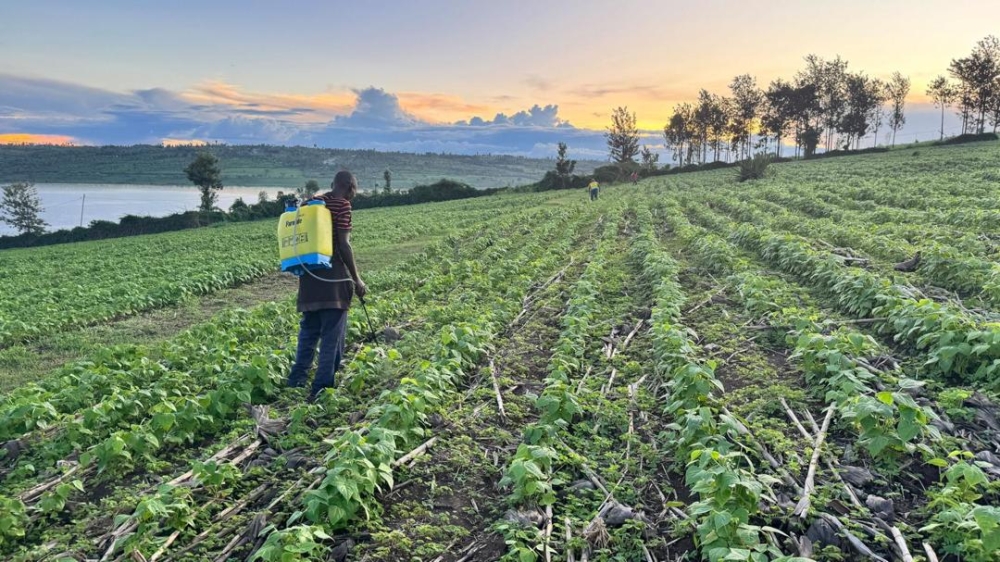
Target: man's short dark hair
344,180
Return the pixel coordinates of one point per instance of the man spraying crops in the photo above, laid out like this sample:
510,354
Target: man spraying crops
594,189
325,296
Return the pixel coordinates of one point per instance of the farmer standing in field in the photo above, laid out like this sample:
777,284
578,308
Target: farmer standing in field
325,297
594,188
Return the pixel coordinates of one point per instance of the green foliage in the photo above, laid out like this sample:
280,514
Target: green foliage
293,544
215,476
307,191
952,400
140,275
809,139
529,474
132,408
523,544
649,159
54,501
442,190
728,490
13,520
971,137
967,531
20,207
358,466
754,168
730,494
564,167
877,405
622,136
204,172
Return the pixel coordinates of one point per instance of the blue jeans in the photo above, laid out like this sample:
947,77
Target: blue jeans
330,326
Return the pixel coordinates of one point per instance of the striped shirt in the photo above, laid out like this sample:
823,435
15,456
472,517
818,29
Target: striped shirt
340,208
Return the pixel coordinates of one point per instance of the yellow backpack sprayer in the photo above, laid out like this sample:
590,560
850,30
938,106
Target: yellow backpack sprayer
306,244
306,238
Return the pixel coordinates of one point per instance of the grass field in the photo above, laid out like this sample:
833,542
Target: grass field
691,368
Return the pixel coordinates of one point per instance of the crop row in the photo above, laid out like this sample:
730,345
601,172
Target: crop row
184,416
897,225
52,288
935,179
941,264
358,463
957,343
877,406
530,472
706,439
371,367
125,373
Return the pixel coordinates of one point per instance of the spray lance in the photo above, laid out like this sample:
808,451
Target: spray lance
371,331
304,267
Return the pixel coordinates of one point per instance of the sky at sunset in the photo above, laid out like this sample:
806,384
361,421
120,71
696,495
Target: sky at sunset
443,76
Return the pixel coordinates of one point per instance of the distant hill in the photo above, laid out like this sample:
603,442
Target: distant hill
262,165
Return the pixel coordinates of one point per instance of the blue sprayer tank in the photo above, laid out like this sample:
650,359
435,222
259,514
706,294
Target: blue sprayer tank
305,237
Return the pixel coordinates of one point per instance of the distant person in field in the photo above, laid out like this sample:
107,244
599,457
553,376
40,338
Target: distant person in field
635,178
594,189
323,303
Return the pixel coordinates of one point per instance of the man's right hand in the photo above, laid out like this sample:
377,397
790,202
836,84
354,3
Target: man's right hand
360,289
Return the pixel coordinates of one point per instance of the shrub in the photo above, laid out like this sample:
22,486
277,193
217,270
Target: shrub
962,139
836,153
442,190
718,164
609,174
753,168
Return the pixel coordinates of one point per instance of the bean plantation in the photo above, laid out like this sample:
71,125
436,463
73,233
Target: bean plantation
799,367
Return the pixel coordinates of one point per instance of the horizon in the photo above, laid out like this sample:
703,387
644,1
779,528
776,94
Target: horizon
435,77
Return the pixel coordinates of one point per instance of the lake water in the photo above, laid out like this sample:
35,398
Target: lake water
62,202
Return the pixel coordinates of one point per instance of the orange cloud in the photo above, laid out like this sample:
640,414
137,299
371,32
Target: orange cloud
649,115
442,108
305,108
29,138
312,108
183,142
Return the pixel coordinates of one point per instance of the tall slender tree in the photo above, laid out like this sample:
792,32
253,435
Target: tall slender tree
622,137
829,77
649,159
20,207
805,107
854,122
778,115
204,172
993,108
942,93
977,76
308,190
720,113
564,166
703,122
880,95
898,88
747,103
676,133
